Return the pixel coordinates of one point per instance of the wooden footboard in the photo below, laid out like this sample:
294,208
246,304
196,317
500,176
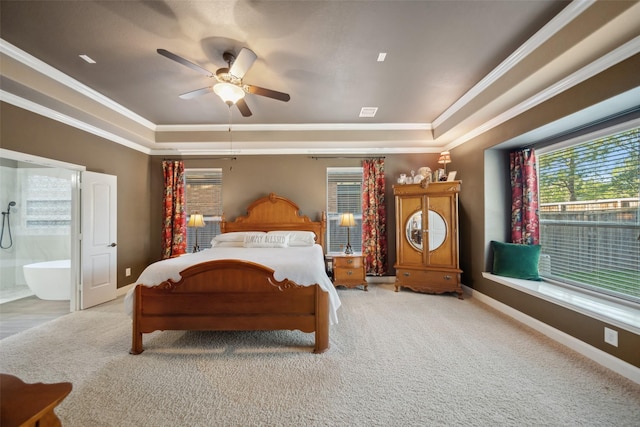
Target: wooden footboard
230,295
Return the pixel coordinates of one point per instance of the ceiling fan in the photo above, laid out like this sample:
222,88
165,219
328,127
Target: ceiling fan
229,86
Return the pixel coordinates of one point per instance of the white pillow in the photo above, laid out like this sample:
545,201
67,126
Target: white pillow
262,240
215,244
297,238
234,236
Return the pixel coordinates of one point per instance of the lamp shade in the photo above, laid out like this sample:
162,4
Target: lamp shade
196,220
445,158
229,93
346,220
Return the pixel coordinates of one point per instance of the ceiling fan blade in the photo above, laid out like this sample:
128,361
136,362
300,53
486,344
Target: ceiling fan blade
243,107
242,63
196,93
256,90
185,62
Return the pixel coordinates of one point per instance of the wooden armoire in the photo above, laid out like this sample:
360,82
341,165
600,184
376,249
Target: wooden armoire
427,237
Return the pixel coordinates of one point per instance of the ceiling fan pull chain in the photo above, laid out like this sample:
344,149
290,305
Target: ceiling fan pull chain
230,138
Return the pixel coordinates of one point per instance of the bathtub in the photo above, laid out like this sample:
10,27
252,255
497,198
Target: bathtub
50,280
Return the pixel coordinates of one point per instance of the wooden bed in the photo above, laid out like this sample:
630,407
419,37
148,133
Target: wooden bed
238,295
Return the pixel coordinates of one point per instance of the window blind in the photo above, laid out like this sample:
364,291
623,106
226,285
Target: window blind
203,194
344,195
589,214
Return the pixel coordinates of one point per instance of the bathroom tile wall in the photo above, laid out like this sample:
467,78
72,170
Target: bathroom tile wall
40,220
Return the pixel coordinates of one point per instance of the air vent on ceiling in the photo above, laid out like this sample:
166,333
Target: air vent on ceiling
368,111
87,58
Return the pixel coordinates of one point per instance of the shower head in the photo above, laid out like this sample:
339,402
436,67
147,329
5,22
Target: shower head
12,203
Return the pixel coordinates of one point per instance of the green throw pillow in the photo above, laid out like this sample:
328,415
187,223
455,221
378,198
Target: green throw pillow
515,260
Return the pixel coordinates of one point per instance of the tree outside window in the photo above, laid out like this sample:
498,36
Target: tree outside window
589,214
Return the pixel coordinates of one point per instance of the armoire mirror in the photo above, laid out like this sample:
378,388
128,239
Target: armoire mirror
437,230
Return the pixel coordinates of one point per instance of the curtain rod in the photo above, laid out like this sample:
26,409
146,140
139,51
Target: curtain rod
344,157
205,158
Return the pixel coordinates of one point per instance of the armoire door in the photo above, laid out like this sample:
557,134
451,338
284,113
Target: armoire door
442,231
409,222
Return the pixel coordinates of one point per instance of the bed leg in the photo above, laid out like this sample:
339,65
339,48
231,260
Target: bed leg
136,343
322,321
136,338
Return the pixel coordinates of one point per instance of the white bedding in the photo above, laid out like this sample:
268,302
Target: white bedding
304,265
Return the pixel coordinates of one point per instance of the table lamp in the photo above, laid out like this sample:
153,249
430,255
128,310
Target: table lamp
196,220
346,220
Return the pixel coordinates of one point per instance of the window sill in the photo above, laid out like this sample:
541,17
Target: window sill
623,315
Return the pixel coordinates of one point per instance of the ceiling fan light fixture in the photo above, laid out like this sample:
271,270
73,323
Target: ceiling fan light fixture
229,93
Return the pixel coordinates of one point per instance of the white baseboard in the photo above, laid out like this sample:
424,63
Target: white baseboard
123,290
605,359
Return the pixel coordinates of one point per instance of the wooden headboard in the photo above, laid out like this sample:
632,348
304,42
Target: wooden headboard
275,212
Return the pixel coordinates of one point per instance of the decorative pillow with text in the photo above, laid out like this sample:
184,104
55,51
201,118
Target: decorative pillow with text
297,238
257,240
234,236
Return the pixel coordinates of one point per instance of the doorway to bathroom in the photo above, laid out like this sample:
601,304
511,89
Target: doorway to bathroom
39,248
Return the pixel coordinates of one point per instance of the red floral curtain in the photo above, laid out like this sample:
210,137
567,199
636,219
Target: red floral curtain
525,225
374,218
174,229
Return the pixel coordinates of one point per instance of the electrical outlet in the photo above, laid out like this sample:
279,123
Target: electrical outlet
611,336
127,272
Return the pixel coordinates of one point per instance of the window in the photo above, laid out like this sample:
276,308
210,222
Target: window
589,214
47,198
203,189
344,195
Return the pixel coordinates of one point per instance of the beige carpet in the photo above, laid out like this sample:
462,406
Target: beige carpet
396,359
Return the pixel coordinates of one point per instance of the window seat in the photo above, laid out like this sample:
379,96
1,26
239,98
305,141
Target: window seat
621,314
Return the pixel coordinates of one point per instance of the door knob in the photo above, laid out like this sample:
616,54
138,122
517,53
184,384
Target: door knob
113,245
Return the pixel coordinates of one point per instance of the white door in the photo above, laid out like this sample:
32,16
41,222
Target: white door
99,233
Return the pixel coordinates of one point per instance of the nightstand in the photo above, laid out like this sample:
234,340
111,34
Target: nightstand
348,271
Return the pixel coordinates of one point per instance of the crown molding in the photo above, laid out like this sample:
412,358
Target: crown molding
216,148
70,121
295,127
612,58
60,77
286,151
568,14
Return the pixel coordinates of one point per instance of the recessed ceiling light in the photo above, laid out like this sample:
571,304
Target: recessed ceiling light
382,56
87,59
368,111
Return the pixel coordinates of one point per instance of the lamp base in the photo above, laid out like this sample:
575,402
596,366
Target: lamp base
196,248
348,249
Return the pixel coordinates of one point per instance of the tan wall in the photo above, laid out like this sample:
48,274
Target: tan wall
485,203
30,133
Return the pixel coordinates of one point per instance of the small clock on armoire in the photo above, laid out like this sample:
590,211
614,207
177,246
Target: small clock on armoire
427,258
